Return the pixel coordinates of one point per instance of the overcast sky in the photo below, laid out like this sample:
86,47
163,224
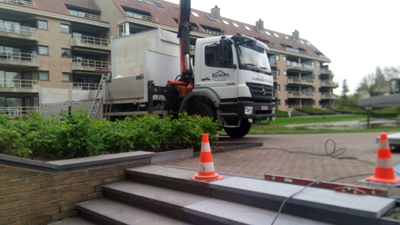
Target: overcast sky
356,35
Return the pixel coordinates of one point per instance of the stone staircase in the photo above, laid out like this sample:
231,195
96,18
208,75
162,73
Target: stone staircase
166,195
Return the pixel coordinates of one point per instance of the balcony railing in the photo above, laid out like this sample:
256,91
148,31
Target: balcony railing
88,15
329,84
292,50
143,17
17,111
328,96
297,80
92,40
86,86
20,2
95,64
299,66
300,94
11,28
18,83
17,56
211,32
325,71
273,63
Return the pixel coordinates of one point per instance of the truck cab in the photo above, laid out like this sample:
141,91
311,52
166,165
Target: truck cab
233,82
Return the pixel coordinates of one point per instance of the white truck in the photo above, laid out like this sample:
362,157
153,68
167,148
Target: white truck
231,80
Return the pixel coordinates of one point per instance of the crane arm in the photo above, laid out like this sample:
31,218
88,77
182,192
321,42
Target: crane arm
184,37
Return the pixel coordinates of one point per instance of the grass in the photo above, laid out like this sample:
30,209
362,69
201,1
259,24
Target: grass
278,126
315,119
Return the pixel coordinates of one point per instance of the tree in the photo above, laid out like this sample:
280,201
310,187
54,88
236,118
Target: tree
392,76
345,89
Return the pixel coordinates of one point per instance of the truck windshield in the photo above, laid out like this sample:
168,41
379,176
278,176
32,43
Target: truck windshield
253,58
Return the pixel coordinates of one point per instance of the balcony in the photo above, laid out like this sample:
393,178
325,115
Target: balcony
20,2
18,32
19,85
88,15
325,95
273,63
17,59
275,77
143,17
326,83
297,80
18,111
90,65
300,94
85,86
326,71
91,42
210,32
299,66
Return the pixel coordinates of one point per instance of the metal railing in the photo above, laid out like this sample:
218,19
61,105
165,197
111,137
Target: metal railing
92,63
300,66
92,40
143,17
17,111
300,94
86,86
326,71
17,56
328,96
329,83
18,83
292,50
11,28
211,32
20,2
87,15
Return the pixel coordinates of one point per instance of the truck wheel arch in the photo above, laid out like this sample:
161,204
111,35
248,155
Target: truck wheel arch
205,92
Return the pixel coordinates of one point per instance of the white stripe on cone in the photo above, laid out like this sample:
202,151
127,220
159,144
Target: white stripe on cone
206,167
384,144
205,147
383,163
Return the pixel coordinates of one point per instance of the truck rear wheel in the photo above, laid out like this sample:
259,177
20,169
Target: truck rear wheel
239,132
202,110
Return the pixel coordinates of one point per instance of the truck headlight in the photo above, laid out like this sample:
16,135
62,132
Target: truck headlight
248,110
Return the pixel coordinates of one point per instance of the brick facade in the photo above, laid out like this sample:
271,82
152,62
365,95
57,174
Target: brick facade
34,197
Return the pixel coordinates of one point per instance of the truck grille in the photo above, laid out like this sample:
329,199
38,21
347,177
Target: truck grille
261,93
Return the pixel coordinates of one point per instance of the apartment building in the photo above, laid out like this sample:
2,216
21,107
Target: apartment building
54,43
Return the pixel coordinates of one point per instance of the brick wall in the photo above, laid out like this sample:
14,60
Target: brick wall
29,197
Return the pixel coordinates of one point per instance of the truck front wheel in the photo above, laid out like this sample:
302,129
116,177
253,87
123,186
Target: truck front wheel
202,110
239,132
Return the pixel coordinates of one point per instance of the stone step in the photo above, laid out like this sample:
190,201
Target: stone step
74,221
194,208
108,212
313,203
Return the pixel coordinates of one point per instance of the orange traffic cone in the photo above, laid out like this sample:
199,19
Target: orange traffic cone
206,170
384,172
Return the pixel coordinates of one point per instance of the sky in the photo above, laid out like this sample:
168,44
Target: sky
356,35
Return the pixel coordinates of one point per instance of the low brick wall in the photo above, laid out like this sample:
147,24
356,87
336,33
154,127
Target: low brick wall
29,197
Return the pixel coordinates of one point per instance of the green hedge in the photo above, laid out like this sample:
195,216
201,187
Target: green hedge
383,114
76,135
315,111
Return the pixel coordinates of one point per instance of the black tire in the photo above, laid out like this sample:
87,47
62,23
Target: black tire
202,110
239,132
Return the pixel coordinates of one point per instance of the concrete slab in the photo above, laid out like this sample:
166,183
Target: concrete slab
74,221
355,205
112,212
168,196
233,213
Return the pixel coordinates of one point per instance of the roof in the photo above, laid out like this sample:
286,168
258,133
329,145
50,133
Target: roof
58,6
167,14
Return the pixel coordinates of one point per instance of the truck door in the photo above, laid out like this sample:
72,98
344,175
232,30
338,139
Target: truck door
222,78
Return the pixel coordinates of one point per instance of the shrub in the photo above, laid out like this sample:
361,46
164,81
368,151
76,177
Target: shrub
315,111
383,114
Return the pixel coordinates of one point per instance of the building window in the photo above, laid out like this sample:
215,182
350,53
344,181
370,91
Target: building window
285,87
44,75
277,57
64,28
42,24
286,102
284,58
284,72
65,76
65,52
277,72
34,75
43,50
278,102
278,87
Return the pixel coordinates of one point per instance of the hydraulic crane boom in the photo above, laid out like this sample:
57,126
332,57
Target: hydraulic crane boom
184,35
